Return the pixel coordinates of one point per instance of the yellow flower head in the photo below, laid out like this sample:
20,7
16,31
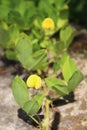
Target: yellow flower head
48,24
34,81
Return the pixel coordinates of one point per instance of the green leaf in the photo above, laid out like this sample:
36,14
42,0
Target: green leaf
61,90
39,98
31,107
20,91
29,60
60,3
24,53
57,85
59,48
76,78
14,34
4,37
67,35
68,67
40,58
4,10
52,81
30,12
16,18
56,66
45,6
11,54
20,6
63,18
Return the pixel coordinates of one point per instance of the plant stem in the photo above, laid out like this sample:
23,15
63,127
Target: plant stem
45,124
47,114
34,120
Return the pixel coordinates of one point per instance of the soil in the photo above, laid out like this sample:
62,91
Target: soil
71,115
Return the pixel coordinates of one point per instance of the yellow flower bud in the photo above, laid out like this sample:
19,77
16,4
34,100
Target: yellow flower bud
34,81
48,24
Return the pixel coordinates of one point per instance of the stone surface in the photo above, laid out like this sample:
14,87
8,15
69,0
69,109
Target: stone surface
8,107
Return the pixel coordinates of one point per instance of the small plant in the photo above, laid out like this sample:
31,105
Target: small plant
38,61
37,34
21,22
32,104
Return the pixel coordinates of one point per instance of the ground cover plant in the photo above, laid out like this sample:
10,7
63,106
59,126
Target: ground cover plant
22,19
37,34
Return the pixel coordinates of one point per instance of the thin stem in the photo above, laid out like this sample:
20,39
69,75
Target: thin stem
34,120
45,90
45,124
47,114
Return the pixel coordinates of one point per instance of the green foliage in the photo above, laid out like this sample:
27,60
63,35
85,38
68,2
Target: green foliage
23,12
66,35
64,88
71,76
21,94
57,86
20,91
4,37
40,97
24,39
76,78
24,52
11,55
31,107
28,16
67,66
30,60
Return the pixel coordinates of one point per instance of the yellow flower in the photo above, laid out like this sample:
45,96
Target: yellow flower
34,81
48,24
